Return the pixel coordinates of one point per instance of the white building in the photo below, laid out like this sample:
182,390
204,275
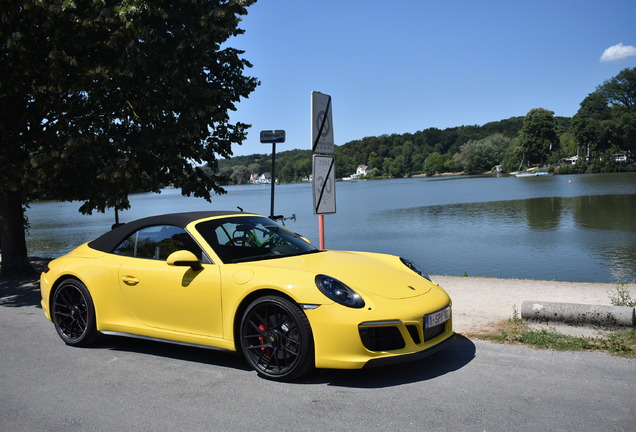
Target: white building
265,178
361,171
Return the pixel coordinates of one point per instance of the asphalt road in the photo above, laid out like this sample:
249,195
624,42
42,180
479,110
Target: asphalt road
132,385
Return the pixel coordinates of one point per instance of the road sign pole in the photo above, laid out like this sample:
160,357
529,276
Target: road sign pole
321,230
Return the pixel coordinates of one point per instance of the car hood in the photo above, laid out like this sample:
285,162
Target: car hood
366,273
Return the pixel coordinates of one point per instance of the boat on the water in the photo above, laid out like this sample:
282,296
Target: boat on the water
530,172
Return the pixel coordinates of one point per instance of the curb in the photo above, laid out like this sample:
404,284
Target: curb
581,314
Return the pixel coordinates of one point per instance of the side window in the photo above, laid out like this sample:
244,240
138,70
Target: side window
158,242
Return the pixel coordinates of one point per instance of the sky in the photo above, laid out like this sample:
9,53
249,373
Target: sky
409,65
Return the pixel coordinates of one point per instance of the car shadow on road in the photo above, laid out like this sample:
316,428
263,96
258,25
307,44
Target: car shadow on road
173,351
454,357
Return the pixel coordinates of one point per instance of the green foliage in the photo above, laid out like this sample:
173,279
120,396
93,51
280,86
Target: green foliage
538,136
620,91
120,96
240,174
606,120
98,99
291,166
394,155
622,343
478,156
621,296
568,145
434,164
550,340
510,161
591,124
579,168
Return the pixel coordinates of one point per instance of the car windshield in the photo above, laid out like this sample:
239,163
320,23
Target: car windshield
250,238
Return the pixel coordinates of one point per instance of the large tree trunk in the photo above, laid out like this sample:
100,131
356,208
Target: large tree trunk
15,261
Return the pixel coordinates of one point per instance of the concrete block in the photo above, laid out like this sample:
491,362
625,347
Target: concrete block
579,314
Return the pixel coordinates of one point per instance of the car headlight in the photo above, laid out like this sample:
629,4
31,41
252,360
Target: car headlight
339,292
417,269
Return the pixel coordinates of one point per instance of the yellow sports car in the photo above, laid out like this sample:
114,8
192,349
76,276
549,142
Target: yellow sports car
240,282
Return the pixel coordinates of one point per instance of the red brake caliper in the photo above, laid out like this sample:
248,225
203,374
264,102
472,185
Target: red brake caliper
261,340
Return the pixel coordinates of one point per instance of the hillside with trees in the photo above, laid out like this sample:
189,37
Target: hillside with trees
604,127
471,149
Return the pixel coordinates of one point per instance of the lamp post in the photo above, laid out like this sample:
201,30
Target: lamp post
273,137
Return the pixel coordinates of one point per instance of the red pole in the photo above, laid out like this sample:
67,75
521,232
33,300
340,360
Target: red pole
321,230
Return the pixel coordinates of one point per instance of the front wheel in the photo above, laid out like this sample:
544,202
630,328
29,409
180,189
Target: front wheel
74,314
276,338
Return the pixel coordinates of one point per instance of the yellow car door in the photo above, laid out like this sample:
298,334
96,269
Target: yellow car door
173,298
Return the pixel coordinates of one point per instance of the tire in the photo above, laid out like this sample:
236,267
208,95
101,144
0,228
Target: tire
73,314
276,339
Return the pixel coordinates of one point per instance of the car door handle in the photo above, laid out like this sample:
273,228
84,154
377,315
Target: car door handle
130,280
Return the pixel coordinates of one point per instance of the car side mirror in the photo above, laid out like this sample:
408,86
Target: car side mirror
184,258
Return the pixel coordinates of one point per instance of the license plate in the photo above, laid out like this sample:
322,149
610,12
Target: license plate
437,318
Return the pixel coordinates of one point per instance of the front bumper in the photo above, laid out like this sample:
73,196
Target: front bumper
354,339
384,361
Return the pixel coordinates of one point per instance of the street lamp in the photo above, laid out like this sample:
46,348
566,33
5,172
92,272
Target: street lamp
273,137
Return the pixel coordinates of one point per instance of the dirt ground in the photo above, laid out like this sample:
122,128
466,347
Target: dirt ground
480,303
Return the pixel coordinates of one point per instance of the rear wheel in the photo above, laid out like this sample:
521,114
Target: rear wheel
74,314
276,338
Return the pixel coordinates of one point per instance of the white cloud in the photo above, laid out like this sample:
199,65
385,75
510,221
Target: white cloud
618,52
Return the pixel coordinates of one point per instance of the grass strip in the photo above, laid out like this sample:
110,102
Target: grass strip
514,330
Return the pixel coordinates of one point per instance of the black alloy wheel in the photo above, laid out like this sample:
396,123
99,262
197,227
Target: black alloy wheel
276,338
74,314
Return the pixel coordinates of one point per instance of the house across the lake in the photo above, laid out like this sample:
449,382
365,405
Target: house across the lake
265,178
361,171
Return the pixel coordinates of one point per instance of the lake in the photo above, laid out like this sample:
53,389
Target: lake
579,228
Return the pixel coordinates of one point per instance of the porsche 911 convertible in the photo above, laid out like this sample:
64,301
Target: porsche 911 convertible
240,282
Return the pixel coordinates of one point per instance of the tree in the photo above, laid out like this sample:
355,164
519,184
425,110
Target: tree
568,144
303,167
376,162
510,159
434,164
98,99
606,120
538,136
620,93
240,174
479,156
408,149
397,167
591,125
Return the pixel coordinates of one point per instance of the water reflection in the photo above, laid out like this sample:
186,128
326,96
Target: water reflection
543,213
562,238
606,212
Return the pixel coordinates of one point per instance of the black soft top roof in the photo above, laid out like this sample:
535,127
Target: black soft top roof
109,241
